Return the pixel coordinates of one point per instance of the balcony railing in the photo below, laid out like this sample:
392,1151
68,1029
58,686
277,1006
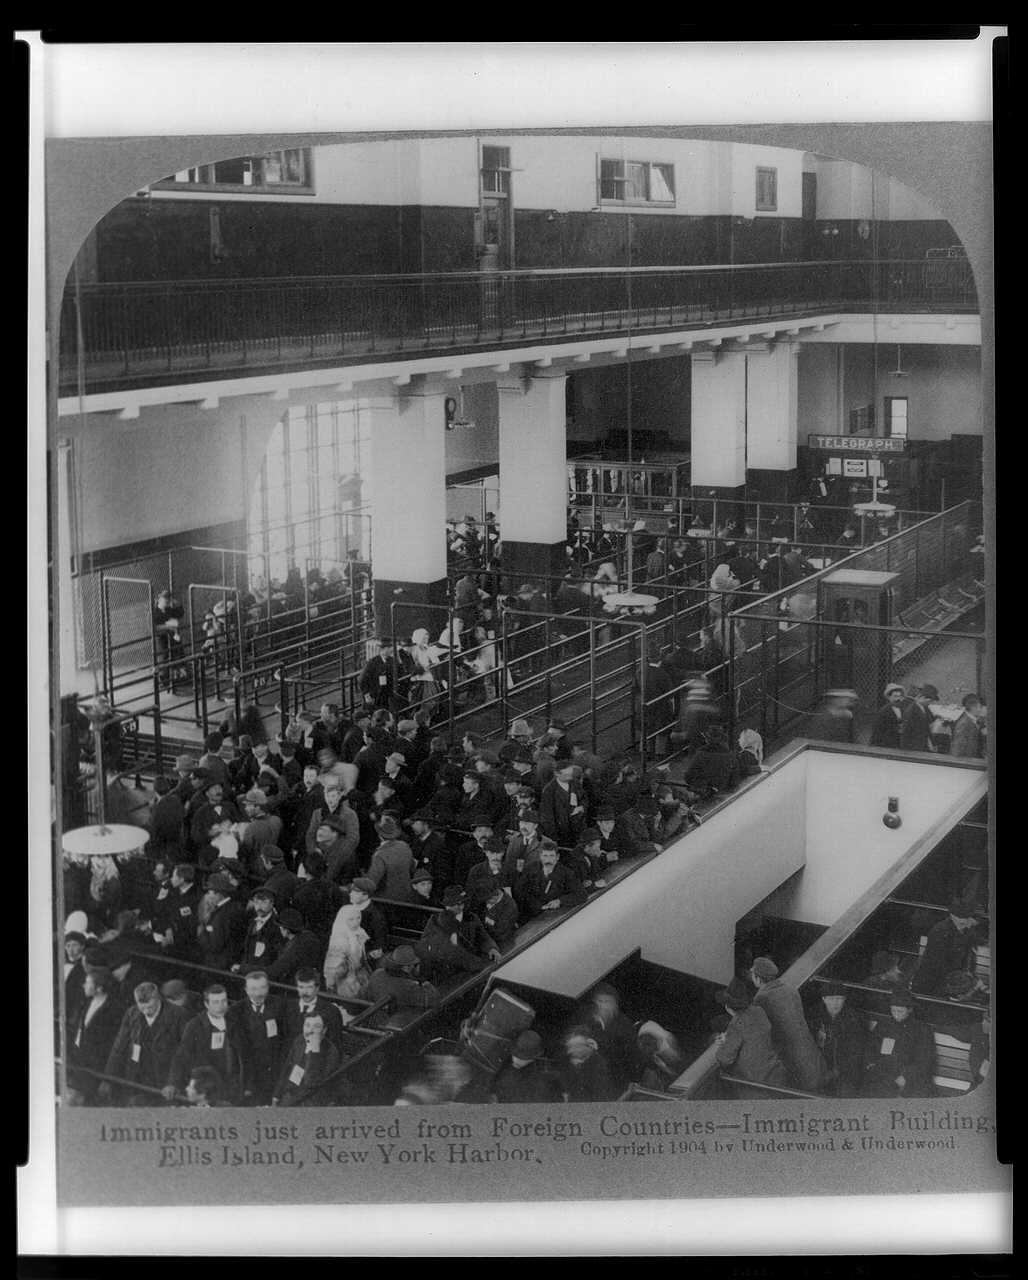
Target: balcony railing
149,332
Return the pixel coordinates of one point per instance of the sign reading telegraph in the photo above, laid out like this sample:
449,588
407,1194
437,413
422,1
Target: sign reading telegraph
857,444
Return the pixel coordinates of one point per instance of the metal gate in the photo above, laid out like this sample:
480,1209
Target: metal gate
128,645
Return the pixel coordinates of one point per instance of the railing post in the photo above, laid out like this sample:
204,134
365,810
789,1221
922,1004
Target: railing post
449,677
592,678
548,686
283,697
763,680
642,697
199,667
237,697
731,683
158,741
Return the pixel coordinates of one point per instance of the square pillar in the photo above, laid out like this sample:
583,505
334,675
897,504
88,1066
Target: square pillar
533,472
718,427
408,502
772,379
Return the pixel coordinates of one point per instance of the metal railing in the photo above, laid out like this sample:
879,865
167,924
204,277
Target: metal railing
148,331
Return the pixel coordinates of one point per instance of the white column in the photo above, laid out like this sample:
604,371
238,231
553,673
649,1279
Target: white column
533,456
771,407
408,480
718,430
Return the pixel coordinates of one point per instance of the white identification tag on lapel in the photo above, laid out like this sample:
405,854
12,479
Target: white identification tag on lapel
888,1044
258,950
383,681
217,1039
137,1049
185,911
271,1027
296,1075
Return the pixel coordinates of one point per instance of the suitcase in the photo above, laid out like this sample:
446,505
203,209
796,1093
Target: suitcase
490,1032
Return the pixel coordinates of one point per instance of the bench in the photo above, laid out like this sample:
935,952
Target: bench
935,612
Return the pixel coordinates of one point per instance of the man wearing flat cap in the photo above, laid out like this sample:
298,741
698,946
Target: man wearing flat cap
899,1054
524,847
886,730
527,1076
948,947
263,940
917,720
486,875
400,980
792,1039
422,889
746,1047
278,879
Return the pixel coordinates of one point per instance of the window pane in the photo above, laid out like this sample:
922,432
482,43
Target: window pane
662,182
293,167
273,167
637,185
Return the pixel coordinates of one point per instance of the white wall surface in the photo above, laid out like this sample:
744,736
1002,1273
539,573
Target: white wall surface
847,846
682,908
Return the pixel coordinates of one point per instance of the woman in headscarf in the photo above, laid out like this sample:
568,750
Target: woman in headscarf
750,756
346,969
104,886
659,1057
423,656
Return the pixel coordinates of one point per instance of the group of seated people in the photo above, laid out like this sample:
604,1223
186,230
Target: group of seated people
840,1043
290,856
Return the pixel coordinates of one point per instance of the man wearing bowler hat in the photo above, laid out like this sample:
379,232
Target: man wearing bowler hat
948,947
454,941
430,851
527,1076
840,1034
392,864
301,948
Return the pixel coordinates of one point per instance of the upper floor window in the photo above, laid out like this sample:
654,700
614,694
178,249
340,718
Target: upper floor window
496,171
278,171
767,190
636,182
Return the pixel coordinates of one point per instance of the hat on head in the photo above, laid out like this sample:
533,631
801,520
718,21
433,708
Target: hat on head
529,815
527,1046
833,989
734,996
73,935
226,752
422,815
472,773
765,968
557,724
402,958
220,883
664,793
929,691
453,896
256,796
589,836
245,742
396,757
364,884
173,989
520,729
387,828
646,805
893,688
272,853
405,726
841,693
290,919
902,1000
511,775
208,779
422,876
184,763
494,844
605,813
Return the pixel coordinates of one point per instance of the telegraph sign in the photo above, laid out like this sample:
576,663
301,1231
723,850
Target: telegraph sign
865,446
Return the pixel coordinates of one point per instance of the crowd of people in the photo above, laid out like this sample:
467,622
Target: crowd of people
284,858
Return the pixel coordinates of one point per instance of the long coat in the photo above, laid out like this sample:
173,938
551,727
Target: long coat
556,818
204,1045
898,1050
392,865
262,1036
301,1072
89,1044
142,1054
841,1041
748,1049
790,1033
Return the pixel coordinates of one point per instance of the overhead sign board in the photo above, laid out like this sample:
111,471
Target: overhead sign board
865,445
